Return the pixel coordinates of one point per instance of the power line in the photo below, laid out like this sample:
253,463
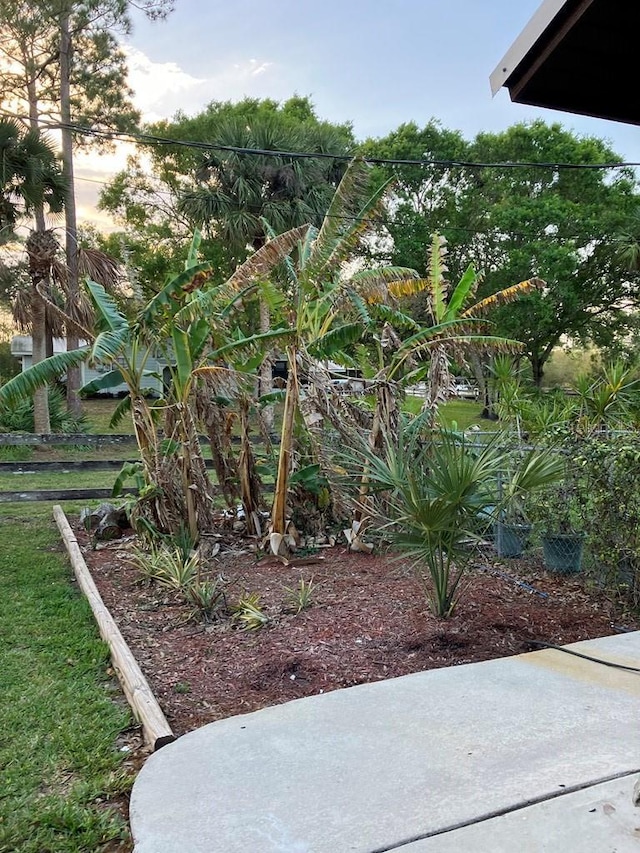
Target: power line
383,220
151,139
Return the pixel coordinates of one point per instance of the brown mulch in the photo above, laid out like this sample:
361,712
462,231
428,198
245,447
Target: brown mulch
368,621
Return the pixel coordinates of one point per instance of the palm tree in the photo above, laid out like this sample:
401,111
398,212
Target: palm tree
237,194
31,178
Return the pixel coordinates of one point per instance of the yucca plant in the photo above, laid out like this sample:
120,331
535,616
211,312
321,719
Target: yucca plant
207,598
301,597
247,613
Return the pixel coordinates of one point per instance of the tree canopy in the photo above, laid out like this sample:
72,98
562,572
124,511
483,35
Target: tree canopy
560,225
30,175
226,193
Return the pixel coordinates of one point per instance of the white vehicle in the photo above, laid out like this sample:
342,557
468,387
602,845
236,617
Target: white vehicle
464,389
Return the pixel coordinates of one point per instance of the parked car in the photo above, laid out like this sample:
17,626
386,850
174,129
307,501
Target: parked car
464,389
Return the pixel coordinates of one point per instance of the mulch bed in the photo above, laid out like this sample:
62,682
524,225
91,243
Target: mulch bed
368,621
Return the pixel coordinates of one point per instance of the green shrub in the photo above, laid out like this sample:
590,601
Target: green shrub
20,418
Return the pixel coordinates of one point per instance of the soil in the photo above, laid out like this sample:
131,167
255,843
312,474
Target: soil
368,621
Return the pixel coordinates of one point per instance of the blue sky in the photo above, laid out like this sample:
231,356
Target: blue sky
374,63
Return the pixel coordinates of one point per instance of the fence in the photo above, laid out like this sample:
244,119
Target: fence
93,441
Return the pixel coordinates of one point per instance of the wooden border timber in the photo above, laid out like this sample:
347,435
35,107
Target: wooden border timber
89,439
32,467
62,495
156,729
83,439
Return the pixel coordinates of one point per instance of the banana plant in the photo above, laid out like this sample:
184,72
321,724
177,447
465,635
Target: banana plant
319,308
187,324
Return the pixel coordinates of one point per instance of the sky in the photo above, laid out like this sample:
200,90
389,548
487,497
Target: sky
376,64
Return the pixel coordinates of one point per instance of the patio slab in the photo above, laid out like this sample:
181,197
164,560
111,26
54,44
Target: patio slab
383,766
598,819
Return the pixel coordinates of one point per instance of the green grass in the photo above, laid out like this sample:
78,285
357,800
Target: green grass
58,717
57,480
464,413
98,412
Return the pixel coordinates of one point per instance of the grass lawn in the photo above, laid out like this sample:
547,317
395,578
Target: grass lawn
58,718
99,411
464,413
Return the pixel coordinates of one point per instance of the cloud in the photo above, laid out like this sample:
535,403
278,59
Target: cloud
163,88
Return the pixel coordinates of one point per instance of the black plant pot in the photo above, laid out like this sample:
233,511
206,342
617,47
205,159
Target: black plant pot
511,539
563,552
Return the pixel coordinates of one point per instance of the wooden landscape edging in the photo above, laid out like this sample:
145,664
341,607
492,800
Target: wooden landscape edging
82,439
61,495
89,439
156,729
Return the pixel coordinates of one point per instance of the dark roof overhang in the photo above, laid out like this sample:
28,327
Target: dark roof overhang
578,56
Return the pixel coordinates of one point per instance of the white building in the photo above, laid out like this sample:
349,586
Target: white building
22,349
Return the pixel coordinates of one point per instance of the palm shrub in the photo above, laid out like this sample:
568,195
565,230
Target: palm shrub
20,417
438,492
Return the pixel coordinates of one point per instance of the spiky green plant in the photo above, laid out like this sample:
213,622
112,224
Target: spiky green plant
301,597
247,613
437,491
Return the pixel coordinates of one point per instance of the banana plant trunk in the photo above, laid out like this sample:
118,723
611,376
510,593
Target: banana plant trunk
249,479
385,423
266,368
279,511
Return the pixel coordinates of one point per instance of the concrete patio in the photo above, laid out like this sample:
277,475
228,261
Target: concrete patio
537,752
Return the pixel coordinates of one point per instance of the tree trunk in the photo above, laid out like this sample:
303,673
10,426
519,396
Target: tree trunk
41,423
537,369
39,332
278,514
266,368
71,229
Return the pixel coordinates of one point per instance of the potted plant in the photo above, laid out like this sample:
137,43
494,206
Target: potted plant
559,512
536,470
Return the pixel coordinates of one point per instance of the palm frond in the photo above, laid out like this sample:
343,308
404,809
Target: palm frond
121,410
382,275
448,329
241,345
221,382
395,317
408,286
461,292
186,282
360,305
110,344
335,340
24,385
100,267
271,294
504,297
109,316
192,256
263,261
349,214
437,283
22,309
104,382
